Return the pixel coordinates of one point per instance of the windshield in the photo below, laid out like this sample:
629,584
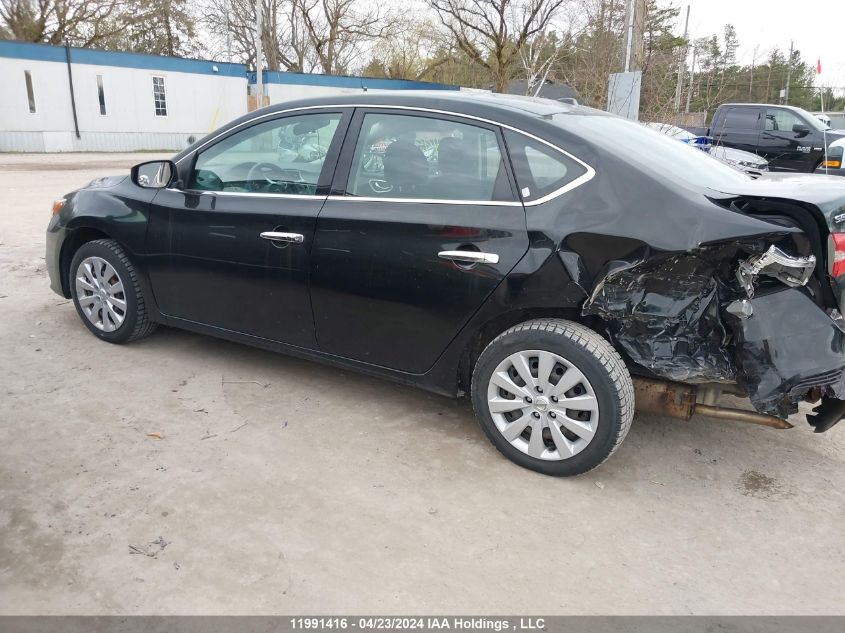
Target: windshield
640,145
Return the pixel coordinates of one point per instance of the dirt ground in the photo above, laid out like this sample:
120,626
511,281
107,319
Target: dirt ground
282,486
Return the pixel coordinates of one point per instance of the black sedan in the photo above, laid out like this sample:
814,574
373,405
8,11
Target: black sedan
551,261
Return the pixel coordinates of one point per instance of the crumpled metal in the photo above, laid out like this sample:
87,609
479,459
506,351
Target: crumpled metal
787,347
789,270
679,316
665,315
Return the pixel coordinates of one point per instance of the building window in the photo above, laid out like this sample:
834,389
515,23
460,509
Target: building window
101,95
159,96
30,95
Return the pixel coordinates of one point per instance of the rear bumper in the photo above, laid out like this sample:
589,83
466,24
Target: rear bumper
790,350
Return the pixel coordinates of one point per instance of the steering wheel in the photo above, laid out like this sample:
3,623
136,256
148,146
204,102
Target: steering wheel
271,174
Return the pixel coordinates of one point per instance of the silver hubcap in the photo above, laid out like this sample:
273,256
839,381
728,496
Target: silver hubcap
100,293
543,405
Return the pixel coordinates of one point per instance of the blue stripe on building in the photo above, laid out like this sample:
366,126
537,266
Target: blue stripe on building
50,53
343,81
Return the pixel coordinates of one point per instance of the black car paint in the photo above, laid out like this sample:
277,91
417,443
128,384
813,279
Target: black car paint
368,306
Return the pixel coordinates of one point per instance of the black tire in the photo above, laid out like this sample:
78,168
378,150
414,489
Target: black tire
136,322
597,361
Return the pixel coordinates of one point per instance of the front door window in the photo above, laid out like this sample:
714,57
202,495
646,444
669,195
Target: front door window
778,120
281,156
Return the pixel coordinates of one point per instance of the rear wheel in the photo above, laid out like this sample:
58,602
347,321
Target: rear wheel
553,396
106,293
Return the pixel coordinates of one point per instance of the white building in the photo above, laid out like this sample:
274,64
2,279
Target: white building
122,101
58,99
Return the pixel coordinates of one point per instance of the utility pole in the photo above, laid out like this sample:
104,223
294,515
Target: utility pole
630,44
751,82
259,52
682,65
691,77
635,33
788,74
228,36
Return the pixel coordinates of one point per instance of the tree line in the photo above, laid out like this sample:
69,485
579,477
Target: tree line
474,43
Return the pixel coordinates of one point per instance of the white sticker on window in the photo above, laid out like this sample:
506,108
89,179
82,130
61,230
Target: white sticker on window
526,192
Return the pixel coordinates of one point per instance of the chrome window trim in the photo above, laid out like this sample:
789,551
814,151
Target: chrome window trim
296,196
299,196
588,175
488,203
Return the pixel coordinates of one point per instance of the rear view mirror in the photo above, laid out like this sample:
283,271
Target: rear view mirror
800,129
155,174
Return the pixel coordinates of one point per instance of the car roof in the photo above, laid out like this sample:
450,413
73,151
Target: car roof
761,105
460,101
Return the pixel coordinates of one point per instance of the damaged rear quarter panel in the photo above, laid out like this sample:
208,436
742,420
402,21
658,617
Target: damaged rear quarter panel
660,276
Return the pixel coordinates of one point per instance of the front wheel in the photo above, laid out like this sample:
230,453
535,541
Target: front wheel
553,396
107,294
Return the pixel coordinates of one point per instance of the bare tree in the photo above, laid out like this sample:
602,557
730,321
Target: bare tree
412,49
231,23
336,29
538,55
78,22
158,27
297,35
492,32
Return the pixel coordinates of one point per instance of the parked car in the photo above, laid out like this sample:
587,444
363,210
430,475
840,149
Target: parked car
790,138
743,161
552,262
679,134
824,119
738,159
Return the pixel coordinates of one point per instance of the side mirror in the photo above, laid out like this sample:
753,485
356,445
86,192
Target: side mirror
155,174
800,129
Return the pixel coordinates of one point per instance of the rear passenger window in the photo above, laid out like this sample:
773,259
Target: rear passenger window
427,158
540,169
741,119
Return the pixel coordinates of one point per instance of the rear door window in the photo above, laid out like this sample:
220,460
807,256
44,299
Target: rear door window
741,119
540,170
427,158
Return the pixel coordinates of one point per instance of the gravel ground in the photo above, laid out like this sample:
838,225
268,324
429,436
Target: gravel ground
282,486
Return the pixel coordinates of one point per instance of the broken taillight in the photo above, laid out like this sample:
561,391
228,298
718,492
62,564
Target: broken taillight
837,250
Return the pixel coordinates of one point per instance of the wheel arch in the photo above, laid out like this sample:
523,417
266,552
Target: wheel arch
83,233
490,329
77,236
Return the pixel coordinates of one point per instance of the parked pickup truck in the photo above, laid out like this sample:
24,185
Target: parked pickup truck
791,139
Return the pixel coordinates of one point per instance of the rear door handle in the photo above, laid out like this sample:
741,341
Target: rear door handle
275,236
469,257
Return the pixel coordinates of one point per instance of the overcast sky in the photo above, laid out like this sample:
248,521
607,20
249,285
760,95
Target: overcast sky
817,28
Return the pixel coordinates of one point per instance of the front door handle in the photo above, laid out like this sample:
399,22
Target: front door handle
469,257
275,236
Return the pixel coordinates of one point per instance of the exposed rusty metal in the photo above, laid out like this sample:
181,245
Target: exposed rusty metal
678,400
742,416
674,399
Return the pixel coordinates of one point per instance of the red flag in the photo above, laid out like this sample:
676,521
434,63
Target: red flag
819,66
